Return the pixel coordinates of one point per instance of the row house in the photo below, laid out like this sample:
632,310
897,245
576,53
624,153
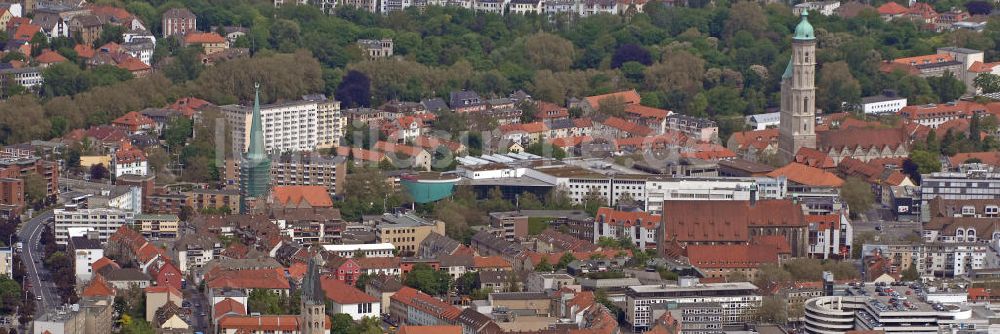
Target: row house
412,307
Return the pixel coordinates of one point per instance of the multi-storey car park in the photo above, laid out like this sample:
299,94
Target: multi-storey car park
893,309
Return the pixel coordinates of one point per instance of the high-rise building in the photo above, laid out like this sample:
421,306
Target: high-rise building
255,168
798,94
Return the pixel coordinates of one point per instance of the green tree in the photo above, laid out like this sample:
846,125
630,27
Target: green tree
543,50
265,302
565,260
927,162
837,86
428,280
858,195
773,310
544,266
10,294
987,82
947,87
911,274
34,188
177,132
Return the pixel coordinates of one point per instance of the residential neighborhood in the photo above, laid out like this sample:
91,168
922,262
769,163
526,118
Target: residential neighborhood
499,167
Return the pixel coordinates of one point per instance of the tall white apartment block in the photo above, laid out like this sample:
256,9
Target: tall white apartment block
288,126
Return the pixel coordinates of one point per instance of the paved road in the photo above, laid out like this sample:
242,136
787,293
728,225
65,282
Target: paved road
30,234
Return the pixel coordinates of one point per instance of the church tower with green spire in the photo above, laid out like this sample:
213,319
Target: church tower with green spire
255,167
798,94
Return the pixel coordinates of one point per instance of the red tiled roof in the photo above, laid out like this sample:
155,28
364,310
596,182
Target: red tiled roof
134,119
825,222
50,57
360,154
646,112
534,127
378,262
537,257
441,329
129,155
670,138
426,303
315,196
547,110
16,22
84,51
228,306
583,122
203,37
98,287
257,323
101,263
387,147
814,158
861,137
810,176
709,151
614,217
729,221
892,8
989,158
629,97
631,128
432,143
110,47
572,141
25,32
490,262
780,243
731,256
953,109
344,294
297,270
133,64
979,67
758,139
165,289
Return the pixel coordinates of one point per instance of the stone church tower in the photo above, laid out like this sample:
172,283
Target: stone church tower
798,94
313,300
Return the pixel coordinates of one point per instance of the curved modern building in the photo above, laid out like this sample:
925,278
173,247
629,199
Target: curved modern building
840,314
426,187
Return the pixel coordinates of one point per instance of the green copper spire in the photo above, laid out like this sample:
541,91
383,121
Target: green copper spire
256,149
255,167
804,31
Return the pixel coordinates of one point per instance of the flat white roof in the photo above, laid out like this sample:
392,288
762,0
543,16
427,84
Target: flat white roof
361,247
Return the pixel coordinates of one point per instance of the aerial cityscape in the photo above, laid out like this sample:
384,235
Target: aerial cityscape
499,167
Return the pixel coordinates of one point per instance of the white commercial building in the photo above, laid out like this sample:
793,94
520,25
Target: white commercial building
764,121
384,249
882,104
739,300
104,221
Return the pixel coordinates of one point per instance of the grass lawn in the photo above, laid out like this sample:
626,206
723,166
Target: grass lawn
538,224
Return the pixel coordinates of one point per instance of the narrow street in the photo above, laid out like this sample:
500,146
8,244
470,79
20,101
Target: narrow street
30,234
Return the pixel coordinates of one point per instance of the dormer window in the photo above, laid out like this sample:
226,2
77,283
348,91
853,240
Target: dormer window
968,210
